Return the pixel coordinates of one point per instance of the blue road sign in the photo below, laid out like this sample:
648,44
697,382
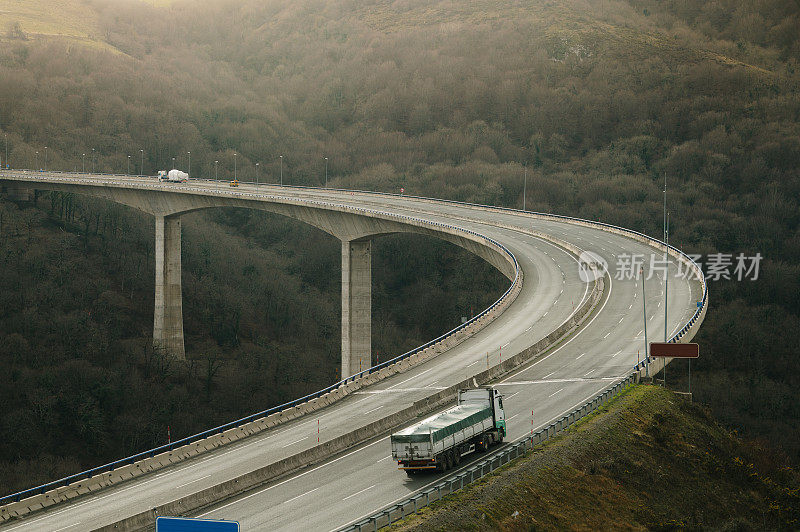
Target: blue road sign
185,524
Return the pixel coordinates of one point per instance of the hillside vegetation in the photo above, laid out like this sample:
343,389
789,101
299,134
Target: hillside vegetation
597,101
648,461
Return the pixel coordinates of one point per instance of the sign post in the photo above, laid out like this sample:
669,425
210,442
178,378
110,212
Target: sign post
676,350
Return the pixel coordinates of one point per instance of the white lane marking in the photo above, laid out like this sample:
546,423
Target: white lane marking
297,441
512,417
640,332
359,492
589,373
552,394
529,328
66,527
193,481
545,314
373,410
384,458
606,336
410,378
622,318
548,374
431,384
295,477
470,365
629,306
301,495
505,345
565,344
510,396
615,354
579,356
651,318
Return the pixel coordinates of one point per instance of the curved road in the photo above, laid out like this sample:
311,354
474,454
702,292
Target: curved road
364,479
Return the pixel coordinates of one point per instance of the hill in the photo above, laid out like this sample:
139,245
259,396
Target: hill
595,103
648,461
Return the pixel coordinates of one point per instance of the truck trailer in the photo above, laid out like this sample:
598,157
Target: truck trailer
174,176
438,442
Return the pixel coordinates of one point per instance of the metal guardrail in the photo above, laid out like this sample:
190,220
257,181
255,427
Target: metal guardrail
234,424
398,511
15,497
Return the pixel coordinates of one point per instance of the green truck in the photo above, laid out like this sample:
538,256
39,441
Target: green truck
439,442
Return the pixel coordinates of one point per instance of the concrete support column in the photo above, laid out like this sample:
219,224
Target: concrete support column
168,316
356,306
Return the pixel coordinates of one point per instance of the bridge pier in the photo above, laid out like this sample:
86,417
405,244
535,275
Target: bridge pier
168,315
356,306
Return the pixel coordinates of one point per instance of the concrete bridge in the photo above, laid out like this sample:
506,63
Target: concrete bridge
559,342
167,202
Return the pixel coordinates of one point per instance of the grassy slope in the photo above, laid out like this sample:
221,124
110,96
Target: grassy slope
647,461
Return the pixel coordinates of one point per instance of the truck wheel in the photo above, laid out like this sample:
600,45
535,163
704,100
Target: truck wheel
457,457
441,463
449,460
499,436
411,472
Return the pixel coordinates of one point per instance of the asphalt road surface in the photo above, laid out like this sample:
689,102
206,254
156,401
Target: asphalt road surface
365,479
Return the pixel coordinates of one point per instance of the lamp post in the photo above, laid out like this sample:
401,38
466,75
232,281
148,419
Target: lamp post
326,172
129,165
45,158
190,162
173,162
6,137
216,174
36,162
281,170
141,168
235,178
256,173
666,258
525,187
92,160
83,160
644,311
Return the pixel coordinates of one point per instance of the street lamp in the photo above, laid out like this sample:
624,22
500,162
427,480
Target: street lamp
256,173
93,160
83,160
45,158
190,161
173,162
525,187
36,162
216,173
281,170
326,172
234,168
6,136
129,165
141,168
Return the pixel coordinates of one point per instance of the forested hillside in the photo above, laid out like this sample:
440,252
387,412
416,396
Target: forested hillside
448,99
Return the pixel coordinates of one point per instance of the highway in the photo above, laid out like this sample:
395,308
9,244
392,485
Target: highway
364,479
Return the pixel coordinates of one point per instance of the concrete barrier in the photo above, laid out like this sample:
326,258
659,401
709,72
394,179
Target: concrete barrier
326,450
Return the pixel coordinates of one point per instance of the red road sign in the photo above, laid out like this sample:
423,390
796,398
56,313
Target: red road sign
660,349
